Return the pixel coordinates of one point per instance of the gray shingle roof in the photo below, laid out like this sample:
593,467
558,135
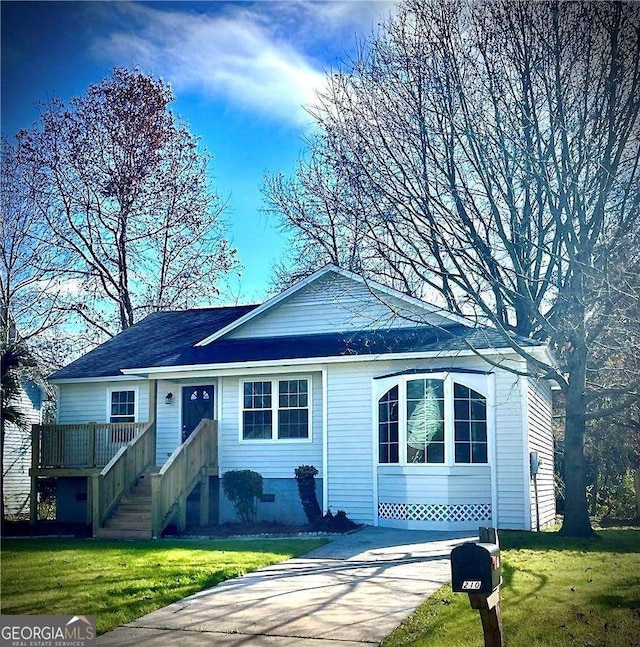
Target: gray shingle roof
156,336
167,339
360,343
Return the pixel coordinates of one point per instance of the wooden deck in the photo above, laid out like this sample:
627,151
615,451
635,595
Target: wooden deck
114,456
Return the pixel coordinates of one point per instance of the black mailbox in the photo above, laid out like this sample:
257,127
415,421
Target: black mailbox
475,568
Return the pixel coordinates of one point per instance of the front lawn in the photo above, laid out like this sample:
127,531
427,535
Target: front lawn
120,581
557,591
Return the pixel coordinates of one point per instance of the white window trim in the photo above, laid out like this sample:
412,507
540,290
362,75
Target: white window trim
136,400
476,382
275,393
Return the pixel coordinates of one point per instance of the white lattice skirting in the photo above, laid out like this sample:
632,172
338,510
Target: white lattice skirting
435,512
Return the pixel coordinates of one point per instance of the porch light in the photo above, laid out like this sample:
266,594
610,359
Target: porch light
168,398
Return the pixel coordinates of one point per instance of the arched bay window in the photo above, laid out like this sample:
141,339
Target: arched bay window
432,420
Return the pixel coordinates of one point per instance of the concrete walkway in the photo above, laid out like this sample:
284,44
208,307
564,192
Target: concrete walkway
353,591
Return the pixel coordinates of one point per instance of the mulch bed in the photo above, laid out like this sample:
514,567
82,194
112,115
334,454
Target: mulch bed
45,529
239,530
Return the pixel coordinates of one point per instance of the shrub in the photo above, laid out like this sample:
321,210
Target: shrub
338,522
305,477
244,489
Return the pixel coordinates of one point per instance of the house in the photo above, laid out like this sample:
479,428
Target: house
413,416
17,449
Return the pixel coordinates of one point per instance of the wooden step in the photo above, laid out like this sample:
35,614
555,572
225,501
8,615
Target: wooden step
128,524
119,533
132,518
143,519
134,506
136,502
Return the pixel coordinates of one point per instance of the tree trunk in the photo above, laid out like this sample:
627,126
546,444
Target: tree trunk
576,511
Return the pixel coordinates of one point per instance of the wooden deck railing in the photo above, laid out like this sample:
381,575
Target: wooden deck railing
81,445
121,472
180,474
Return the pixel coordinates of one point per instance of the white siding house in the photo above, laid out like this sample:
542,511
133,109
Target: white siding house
17,450
390,399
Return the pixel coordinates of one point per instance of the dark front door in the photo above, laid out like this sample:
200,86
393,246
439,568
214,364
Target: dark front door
197,403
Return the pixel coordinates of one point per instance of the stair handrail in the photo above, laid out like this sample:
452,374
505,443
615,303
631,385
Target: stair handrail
119,475
180,474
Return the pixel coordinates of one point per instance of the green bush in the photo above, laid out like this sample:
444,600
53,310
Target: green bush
244,489
338,522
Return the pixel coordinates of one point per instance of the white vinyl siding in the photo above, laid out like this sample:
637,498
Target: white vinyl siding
272,459
17,456
89,402
334,303
541,441
440,486
350,474
513,512
168,418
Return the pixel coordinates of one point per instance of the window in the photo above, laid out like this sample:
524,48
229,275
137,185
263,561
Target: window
389,441
257,414
470,425
293,409
279,407
122,406
425,421
432,420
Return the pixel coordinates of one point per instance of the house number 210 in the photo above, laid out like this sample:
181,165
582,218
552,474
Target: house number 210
471,585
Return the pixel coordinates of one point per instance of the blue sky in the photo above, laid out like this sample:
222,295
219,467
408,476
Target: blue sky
241,72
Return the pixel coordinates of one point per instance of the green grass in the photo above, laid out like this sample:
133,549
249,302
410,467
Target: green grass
120,581
556,591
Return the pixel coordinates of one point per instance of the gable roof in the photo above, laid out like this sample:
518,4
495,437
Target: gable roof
196,338
423,339
156,336
328,269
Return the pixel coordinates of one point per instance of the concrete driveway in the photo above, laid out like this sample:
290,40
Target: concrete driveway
353,591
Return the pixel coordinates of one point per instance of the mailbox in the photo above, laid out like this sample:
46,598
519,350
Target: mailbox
475,568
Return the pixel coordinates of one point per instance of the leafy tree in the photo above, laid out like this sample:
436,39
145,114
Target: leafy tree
123,188
488,153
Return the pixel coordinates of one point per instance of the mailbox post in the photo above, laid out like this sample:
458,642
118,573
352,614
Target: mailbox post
476,569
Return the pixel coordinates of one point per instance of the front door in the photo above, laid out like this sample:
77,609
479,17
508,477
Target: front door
197,403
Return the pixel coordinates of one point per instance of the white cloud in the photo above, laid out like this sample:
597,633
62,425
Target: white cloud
266,57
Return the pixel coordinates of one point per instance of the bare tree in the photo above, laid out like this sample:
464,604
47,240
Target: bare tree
489,152
124,191
28,284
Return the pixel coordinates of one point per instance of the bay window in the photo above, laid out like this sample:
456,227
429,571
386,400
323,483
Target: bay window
432,420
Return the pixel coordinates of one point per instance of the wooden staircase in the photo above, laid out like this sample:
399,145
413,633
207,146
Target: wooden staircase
132,518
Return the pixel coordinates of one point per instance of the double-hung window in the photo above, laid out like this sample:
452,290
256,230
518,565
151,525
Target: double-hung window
432,420
122,406
276,409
